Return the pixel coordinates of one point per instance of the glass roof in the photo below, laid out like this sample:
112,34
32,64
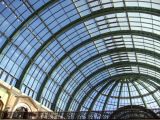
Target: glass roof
73,55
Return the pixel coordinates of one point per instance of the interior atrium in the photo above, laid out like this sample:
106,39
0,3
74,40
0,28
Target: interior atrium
81,57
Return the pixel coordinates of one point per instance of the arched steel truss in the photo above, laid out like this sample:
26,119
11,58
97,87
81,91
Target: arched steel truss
110,66
109,82
120,64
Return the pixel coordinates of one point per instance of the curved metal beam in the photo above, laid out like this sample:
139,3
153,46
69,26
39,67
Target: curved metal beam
95,57
111,92
149,81
91,76
107,82
78,21
86,80
98,94
139,94
94,100
102,82
119,94
129,94
110,81
108,96
25,22
101,90
157,87
121,32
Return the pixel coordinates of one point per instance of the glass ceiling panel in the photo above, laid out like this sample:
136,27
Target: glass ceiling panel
49,45
113,101
89,89
61,52
108,59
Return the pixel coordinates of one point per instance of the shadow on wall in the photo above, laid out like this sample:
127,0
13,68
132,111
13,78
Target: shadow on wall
1,105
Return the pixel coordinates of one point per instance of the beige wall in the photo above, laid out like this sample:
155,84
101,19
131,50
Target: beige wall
4,96
12,98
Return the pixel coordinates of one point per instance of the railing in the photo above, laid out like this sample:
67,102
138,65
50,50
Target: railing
66,115
107,114
29,115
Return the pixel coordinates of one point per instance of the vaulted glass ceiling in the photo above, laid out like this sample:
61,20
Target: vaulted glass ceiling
73,55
